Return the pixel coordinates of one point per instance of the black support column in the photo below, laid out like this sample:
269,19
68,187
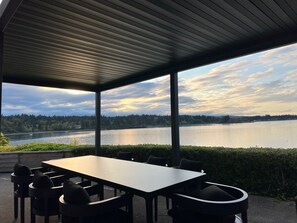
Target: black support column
174,119
1,75
98,123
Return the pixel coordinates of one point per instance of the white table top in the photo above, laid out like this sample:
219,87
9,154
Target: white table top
139,177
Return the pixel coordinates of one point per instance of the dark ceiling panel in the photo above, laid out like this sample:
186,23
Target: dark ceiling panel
98,45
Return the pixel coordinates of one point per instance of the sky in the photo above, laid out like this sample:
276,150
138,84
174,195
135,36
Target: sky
257,84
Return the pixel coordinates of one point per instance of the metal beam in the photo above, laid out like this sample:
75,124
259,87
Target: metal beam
174,119
1,75
98,123
48,83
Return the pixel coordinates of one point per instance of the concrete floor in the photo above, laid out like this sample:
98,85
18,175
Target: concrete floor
261,209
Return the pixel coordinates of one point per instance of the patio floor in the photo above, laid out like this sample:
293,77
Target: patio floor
261,209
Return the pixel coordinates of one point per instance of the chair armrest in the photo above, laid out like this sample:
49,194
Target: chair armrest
209,207
52,173
41,169
59,179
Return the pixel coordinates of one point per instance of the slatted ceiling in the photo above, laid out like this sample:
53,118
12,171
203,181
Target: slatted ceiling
249,9
87,55
66,36
151,32
90,35
293,5
71,51
78,60
280,17
185,36
288,10
215,17
198,16
246,17
179,31
180,19
95,45
120,25
280,13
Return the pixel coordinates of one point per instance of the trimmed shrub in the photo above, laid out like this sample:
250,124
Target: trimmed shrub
261,171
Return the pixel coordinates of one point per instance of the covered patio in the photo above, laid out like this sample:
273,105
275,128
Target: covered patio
101,45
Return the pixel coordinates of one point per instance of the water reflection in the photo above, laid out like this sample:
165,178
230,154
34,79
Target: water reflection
277,134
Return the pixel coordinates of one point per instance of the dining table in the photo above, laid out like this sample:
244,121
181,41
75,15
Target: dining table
141,179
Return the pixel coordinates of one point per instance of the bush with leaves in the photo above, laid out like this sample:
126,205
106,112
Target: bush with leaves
3,140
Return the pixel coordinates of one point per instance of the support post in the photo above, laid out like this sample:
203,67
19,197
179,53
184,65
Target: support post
174,119
1,74
98,123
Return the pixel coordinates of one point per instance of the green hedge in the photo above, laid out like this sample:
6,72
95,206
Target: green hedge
261,171
30,147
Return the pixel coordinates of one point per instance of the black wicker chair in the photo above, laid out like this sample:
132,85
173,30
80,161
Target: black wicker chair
21,178
216,203
76,207
45,192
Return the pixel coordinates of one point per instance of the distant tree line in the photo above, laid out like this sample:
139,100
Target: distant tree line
32,123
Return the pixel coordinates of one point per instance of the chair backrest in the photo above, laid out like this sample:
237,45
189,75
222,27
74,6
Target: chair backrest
124,155
187,164
156,160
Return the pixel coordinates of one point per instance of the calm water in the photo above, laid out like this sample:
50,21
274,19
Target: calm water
277,134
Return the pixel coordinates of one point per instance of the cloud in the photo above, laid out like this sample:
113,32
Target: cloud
251,85
22,99
150,97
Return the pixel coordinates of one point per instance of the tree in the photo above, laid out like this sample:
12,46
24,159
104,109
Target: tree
225,119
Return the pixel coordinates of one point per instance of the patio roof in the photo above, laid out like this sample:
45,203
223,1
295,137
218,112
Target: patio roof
99,45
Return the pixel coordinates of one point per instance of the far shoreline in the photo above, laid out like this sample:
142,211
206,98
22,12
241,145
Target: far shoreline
140,127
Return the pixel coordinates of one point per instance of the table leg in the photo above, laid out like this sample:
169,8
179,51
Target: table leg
101,191
149,209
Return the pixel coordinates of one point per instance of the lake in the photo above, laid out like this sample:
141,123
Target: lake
275,134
